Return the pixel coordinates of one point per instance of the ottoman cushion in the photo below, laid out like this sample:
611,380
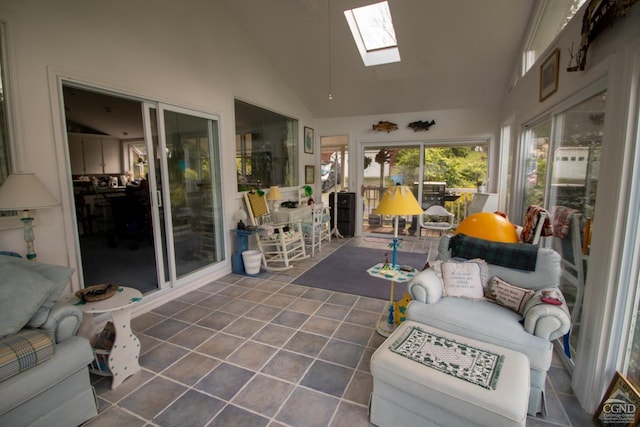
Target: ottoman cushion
408,383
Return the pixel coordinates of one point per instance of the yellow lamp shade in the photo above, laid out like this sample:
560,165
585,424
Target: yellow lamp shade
398,200
488,226
274,193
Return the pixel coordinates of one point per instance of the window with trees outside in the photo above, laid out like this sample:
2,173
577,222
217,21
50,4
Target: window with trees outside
266,148
444,174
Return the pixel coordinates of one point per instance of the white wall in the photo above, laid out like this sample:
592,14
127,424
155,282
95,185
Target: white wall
192,57
451,125
609,62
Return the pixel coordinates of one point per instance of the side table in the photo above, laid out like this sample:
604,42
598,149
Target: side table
394,275
122,359
242,244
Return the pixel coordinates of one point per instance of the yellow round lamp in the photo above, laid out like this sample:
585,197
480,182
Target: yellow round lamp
488,226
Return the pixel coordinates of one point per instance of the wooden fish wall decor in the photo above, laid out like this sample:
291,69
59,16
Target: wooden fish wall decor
420,125
385,126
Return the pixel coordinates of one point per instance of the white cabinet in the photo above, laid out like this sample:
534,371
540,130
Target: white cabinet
111,156
75,154
94,155
483,202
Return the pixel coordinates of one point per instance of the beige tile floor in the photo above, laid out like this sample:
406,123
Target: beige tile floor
261,351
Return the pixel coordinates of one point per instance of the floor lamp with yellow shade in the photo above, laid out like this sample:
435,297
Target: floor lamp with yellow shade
24,192
396,201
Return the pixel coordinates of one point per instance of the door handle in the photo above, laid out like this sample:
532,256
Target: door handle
158,199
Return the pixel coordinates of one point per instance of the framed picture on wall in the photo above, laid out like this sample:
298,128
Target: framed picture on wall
308,140
309,174
549,75
620,405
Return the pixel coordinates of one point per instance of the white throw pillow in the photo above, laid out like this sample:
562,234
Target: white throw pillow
465,279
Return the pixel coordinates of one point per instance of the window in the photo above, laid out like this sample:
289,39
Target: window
5,159
4,131
536,155
562,167
549,20
373,33
266,148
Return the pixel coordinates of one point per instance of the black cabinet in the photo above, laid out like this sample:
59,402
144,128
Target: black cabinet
345,211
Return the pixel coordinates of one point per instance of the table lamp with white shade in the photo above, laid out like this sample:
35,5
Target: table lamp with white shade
397,201
22,192
274,196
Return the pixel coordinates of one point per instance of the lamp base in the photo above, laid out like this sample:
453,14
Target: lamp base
28,234
385,328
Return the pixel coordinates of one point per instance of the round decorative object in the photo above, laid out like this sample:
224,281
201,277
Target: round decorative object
488,226
97,292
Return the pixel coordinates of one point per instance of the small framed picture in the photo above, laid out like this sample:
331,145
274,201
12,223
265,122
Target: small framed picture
309,174
308,140
620,405
549,75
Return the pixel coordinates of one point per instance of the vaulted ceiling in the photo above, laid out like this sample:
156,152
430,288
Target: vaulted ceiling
455,53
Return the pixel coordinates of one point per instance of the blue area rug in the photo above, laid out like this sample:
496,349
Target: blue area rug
345,270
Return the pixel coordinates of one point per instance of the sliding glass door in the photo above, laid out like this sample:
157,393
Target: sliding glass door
445,174
184,174
561,165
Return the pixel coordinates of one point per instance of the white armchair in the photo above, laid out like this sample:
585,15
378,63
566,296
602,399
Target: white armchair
529,333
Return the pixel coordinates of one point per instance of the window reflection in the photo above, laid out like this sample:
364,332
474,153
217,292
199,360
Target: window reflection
536,167
266,148
4,123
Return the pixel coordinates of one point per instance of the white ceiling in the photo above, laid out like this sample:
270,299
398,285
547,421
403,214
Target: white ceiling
455,54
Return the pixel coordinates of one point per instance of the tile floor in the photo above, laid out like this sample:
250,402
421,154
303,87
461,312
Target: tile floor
245,351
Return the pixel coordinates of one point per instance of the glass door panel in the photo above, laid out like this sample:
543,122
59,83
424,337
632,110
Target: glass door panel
153,176
536,157
449,177
192,191
383,167
575,167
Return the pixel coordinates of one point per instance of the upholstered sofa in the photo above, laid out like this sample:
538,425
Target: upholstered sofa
528,329
44,378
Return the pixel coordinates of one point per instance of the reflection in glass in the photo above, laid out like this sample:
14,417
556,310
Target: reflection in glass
576,157
574,184
266,148
4,123
537,151
195,190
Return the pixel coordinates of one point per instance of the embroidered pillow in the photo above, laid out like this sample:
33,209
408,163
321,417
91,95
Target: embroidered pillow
465,279
508,295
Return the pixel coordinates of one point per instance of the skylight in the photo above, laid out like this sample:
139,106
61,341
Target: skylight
373,32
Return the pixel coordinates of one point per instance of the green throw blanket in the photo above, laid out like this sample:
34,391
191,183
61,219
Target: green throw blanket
521,256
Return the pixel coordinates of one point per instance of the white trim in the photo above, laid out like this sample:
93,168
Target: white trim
12,103
630,266
600,341
56,79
